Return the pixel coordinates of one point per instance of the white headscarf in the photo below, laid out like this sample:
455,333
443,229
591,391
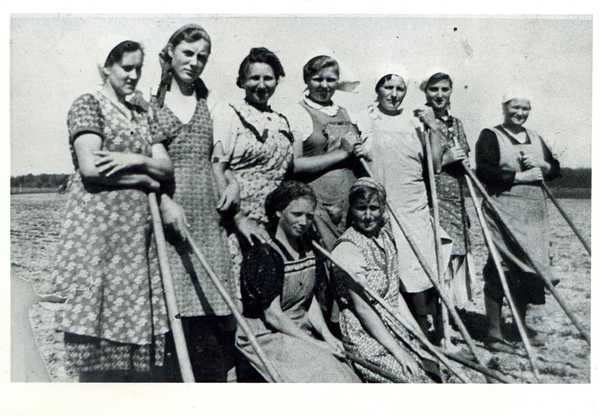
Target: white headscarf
390,68
347,81
431,72
515,91
107,43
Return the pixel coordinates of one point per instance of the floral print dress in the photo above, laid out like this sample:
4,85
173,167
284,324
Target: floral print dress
115,316
380,270
258,149
450,184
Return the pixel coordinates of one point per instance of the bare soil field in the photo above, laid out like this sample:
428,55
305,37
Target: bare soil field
35,222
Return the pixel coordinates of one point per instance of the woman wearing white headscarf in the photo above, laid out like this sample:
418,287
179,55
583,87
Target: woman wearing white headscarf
115,319
397,157
323,155
511,162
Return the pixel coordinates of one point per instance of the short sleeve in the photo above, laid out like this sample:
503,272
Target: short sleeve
261,277
85,116
156,134
351,257
300,122
225,129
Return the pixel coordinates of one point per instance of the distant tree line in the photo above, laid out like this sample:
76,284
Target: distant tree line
569,178
573,178
45,180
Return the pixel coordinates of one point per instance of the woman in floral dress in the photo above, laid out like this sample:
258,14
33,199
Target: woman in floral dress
254,144
367,249
115,318
183,121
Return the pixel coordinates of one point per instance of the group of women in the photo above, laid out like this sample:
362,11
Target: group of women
255,189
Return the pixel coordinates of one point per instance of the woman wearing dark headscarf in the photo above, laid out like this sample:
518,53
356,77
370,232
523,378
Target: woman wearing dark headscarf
278,281
183,120
511,162
367,249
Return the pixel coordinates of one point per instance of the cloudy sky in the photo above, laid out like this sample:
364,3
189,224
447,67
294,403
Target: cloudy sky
53,62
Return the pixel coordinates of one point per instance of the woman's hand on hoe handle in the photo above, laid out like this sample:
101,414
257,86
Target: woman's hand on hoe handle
173,216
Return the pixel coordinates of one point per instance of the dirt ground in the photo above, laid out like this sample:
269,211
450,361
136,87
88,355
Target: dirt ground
37,353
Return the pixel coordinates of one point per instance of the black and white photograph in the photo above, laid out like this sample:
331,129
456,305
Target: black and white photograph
234,199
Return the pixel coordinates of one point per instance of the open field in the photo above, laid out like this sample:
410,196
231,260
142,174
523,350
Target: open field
35,222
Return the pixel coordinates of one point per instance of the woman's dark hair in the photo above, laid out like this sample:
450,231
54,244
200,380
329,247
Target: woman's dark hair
382,81
121,49
437,77
260,55
362,194
281,197
316,64
190,34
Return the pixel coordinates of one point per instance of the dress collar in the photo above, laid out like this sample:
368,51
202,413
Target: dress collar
330,110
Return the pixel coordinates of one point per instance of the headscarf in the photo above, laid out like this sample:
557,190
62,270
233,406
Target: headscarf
514,91
390,68
283,195
347,80
368,182
431,72
105,46
166,77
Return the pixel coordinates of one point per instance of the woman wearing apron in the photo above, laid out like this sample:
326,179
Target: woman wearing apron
511,162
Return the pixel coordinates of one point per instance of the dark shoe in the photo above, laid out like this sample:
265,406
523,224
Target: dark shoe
498,345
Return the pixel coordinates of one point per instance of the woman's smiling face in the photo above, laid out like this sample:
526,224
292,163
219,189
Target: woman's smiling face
259,82
367,215
516,111
321,86
438,95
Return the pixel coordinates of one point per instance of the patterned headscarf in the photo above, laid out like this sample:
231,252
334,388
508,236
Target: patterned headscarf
371,183
360,184
165,60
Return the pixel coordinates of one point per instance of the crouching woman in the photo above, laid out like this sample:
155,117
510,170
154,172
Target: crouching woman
277,282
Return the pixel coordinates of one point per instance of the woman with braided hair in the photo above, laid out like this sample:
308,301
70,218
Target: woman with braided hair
182,118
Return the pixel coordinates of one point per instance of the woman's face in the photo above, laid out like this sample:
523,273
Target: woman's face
516,111
367,215
189,59
438,95
391,93
321,86
123,76
297,217
259,82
